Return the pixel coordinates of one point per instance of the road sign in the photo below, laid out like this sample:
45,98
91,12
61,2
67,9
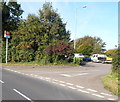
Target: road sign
7,34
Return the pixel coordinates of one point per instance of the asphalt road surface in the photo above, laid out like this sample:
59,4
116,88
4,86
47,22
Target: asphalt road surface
16,86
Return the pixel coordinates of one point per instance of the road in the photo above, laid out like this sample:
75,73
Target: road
16,86
56,82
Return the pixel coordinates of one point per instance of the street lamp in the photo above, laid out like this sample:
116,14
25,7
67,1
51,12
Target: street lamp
76,31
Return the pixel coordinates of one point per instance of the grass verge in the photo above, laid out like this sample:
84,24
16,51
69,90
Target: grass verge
111,83
39,64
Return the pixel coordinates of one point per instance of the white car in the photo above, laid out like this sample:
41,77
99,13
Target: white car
98,57
77,55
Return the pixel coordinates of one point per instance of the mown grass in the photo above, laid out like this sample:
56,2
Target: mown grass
111,83
34,63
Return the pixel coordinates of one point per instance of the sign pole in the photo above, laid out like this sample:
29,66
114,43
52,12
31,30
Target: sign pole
7,35
6,49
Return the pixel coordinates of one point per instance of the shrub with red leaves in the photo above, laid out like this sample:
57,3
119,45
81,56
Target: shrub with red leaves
59,49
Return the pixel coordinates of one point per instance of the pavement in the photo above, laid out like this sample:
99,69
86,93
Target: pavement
85,79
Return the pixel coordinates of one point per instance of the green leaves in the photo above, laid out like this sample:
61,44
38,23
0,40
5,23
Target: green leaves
35,33
89,45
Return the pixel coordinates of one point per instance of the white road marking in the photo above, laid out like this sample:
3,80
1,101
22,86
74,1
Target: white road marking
92,90
62,84
69,84
61,81
98,95
54,80
66,75
83,91
111,99
22,94
47,78
18,72
79,86
7,69
1,81
35,75
71,87
79,74
105,94
40,77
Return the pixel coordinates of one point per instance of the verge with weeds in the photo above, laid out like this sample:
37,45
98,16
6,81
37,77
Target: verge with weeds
111,83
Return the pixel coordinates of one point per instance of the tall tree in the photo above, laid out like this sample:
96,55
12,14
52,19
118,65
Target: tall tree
11,14
88,45
35,33
53,24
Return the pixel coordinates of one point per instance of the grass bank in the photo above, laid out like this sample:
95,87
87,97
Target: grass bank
111,83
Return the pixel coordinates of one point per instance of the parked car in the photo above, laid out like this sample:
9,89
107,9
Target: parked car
77,55
98,57
87,59
108,60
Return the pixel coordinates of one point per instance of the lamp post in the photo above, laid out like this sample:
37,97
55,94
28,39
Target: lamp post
76,31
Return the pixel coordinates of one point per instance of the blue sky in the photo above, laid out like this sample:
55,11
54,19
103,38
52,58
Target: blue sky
99,19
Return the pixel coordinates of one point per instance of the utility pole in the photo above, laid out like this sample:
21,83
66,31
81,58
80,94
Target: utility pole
76,31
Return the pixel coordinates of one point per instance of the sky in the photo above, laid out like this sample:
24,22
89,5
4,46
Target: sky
98,19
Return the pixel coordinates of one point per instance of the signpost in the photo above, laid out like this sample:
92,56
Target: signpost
6,35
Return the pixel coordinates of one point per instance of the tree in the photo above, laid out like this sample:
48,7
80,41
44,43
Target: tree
111,52
55,28
11,14
89,45
116,61
35,33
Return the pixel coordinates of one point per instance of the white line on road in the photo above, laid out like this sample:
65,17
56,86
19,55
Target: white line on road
98,95
69,84
71,87
111,99
79,86
7,69
83,91
35,75
54,80
61,81
92,90
105,94
62,84
1,81
22,94
66,75
79,74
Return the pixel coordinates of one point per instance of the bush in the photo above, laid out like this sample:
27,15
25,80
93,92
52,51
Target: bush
79,61
116,62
